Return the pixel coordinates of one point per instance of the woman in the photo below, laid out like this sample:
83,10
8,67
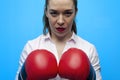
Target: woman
60,34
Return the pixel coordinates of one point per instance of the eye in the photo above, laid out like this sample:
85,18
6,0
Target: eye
68,13
54,13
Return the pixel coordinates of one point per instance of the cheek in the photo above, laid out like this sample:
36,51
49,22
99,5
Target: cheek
51,21
70,22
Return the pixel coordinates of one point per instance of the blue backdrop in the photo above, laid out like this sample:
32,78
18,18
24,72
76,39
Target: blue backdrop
98,21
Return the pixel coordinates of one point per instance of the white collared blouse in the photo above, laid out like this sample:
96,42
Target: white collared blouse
45,42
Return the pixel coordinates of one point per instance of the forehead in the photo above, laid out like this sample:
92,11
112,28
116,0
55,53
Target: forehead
60,4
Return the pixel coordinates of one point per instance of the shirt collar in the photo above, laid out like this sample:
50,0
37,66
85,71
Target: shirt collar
47,37
73,38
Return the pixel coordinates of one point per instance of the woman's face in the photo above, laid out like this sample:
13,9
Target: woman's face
61,14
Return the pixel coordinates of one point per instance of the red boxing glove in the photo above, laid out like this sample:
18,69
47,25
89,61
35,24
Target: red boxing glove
74,65
39,65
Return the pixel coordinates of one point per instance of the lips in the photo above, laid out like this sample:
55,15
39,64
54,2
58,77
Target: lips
60,29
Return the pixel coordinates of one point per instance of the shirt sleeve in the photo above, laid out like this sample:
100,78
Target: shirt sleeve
94,58
23,57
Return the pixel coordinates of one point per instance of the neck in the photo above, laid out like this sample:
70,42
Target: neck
61,39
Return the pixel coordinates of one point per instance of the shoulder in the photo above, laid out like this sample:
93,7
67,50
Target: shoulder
83,42
37,39
86,46
35,43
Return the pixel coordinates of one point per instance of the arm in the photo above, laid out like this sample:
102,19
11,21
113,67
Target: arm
94,58
23,57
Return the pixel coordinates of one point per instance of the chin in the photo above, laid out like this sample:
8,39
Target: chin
62,34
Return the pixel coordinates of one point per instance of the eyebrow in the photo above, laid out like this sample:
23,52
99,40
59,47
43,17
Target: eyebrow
69,10
52,10
64,11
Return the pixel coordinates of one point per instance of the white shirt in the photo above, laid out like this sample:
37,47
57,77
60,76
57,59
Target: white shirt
45,42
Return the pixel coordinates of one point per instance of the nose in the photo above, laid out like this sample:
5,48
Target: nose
60,20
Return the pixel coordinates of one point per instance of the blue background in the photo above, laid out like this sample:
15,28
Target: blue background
98,21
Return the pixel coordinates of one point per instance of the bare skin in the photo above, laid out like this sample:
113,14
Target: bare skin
61,14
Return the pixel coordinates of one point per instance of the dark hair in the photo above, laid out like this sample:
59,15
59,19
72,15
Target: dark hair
46,22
